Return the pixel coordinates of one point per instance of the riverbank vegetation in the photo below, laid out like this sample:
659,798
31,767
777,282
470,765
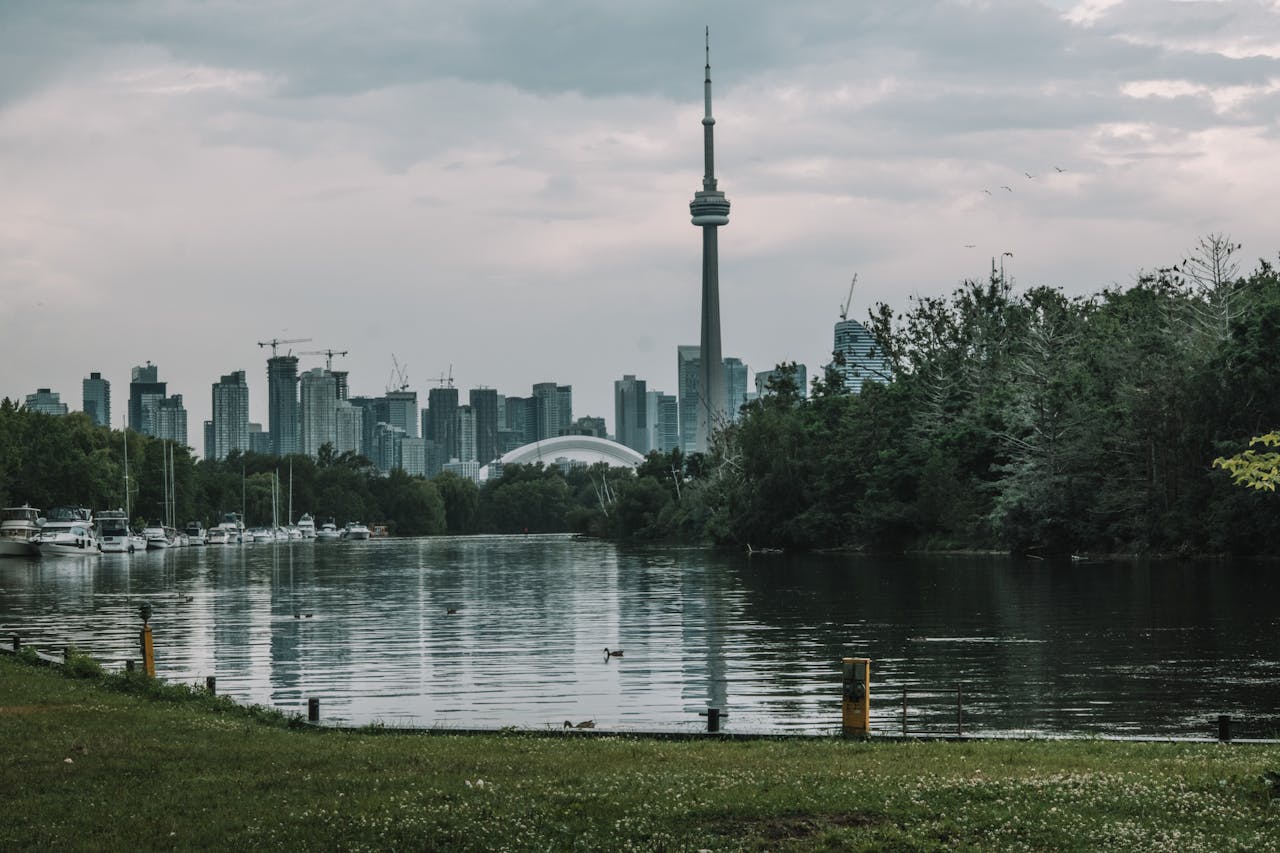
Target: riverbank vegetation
87,767
1024,421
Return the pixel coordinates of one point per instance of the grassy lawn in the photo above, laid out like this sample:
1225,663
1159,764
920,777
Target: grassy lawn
100,764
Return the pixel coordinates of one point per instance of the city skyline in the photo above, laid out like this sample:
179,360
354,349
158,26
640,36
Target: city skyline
503,190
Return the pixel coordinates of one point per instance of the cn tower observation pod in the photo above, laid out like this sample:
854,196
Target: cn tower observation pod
578,448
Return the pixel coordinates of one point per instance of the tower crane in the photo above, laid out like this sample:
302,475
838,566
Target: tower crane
275,342
399,376
444,381
844,309
328,356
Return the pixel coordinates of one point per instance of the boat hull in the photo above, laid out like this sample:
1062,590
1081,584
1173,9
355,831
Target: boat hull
61,549
16,548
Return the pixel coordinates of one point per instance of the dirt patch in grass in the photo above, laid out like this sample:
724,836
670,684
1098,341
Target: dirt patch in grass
794,827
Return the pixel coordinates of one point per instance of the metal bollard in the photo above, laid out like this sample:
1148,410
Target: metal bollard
211,683
713,716
313,710
1224,727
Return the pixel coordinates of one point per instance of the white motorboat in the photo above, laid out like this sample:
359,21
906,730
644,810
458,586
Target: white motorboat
139,542
69,532
114,536
262,534
307,526
196,534
293,532
355,531
19,527
158,536
328,531
234,529
219,536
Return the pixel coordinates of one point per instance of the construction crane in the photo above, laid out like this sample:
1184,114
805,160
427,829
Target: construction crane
399,376
844,309
444,381
328,356
275,342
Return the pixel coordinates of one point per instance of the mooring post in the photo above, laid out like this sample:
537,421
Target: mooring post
128,665
313,710
959,712
17,643
211,682
904,710
1224,727
713,716
66,654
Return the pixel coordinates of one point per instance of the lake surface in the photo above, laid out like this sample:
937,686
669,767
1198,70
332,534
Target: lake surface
1100,648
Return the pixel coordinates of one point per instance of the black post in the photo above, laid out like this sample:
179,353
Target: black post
713,720
313,710
959,712
128,665
1224,727
66,655
212,683
904,710
17,643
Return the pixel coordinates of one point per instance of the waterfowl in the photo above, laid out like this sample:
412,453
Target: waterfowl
616,653
585,724
451,611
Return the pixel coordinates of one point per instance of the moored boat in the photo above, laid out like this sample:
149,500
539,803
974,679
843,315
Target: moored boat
219,536
355,530
307,526
114,536
196,534
19,527
328,531
158,536
68,531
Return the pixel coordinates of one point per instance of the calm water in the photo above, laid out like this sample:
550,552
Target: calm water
1106,648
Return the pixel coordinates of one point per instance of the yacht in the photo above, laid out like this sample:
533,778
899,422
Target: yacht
262,534
355,530
69,531
114,536
19,527
307,525
328,531
195,534
158,536
233,527
219,536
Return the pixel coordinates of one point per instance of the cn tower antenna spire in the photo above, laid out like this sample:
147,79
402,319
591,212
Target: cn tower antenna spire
710,210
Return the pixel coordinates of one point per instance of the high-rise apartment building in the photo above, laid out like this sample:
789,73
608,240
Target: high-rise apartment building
564,408
465,429
208,441
687,369
145,390
317,411
387,442
413,456
662,414
46,402
282,404
735,387
442,422
402,411
169,420
230,416
349,427
548,410
259,440
630,413
484,409
97,399
863,359
799,375
374,411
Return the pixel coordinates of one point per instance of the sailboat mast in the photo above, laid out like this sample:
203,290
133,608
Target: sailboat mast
125,435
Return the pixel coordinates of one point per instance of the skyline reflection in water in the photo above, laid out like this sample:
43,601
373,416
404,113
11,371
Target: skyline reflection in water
1102,648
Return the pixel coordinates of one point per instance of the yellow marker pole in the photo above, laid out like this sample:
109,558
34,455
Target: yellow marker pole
855,707
148,652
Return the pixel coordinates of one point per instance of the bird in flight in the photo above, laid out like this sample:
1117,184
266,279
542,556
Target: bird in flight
1003,187
1059,169
1030,177
970,245
1007,255
988,192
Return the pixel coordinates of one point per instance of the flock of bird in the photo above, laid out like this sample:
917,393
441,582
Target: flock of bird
1030,177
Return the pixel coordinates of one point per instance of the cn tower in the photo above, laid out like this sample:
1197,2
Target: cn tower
710,210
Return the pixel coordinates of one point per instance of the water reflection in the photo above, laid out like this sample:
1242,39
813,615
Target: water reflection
367,628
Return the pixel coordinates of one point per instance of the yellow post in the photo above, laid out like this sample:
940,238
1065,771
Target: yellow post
148,652
855,709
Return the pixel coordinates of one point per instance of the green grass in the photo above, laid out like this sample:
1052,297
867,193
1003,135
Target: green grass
107,762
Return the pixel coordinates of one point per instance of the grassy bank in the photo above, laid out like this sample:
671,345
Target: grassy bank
86,764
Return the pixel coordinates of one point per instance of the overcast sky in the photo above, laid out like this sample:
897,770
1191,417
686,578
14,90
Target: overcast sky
503,187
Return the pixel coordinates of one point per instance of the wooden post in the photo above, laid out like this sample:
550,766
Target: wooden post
313,710
148,652
904,710
17,643
128,665
959,712
1224,727
211,682
66,655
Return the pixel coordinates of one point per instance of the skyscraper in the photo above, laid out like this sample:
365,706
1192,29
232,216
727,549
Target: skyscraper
442,424
349,426
564,408
282,404
630,413
97,399
548,410
799,376
317,411
46,402
710,210
735,386
664,421
145,389
402,411
169,420
484,407
863,360
230,415
688,366
466,432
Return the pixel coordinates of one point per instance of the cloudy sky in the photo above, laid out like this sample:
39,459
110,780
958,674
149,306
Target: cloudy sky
503,187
